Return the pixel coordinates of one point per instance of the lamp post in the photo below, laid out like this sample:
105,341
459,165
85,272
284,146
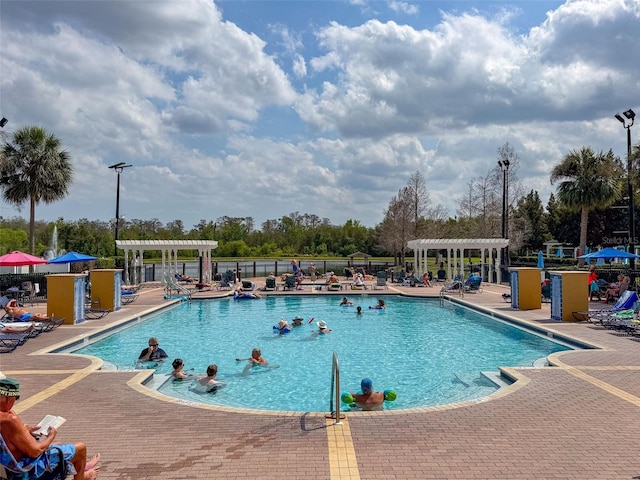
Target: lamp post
118,168
627,122
504,165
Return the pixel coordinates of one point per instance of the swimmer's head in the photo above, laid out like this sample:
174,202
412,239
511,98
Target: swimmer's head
177,363
366,385
212,370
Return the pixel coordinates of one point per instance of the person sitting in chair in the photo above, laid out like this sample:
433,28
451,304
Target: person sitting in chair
22,444
20,314
185,278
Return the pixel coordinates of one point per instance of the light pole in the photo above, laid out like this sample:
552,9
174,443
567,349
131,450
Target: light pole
504,165
118,168
627,122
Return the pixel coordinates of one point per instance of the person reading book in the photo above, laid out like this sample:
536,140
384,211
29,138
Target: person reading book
38,454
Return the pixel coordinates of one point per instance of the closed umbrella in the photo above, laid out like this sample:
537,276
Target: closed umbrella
18,259
540,260
560,253
72,257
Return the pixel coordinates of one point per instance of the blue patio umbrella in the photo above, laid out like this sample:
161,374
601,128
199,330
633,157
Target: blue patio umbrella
72,257
560,253
609,253
540,260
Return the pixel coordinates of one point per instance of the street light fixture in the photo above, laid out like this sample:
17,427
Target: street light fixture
627,123
118,168
3,122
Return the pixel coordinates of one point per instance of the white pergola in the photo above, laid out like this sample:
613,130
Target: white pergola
169,249
490,253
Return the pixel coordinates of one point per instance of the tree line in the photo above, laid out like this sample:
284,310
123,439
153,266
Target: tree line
587,209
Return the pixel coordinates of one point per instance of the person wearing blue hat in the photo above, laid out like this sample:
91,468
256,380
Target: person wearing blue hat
36,455
368,399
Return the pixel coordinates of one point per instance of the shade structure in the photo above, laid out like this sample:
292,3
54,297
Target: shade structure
609,253
541,260
72,257
18,259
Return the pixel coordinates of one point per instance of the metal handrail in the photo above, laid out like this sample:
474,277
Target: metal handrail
335,391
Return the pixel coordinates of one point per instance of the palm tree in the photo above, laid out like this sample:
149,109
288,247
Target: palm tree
34,168
587,182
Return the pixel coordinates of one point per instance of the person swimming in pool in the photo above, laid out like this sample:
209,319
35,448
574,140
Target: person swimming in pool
358,310
208,384
178,370
297,322
380,306
345,302
255,360
368,399
322,328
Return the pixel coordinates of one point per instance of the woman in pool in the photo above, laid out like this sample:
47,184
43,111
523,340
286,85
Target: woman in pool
345,302
178,372
255,360
380,306
283,327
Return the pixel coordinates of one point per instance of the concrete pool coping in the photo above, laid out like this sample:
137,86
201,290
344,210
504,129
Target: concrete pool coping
550,426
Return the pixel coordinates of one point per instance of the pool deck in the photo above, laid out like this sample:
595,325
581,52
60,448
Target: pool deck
577,420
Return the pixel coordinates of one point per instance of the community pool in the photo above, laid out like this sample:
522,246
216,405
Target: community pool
430,355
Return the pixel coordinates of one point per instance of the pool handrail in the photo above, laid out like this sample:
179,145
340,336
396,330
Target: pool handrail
335,391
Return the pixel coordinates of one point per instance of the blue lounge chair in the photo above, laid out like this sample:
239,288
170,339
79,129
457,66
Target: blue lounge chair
628,300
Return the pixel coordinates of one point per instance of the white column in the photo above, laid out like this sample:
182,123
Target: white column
449,276
164,264
498,263
126,266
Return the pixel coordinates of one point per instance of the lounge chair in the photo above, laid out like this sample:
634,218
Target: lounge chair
381,280
441,276
33,469
170,287
127,298
348,274
94,311
247,285
628,300
8,345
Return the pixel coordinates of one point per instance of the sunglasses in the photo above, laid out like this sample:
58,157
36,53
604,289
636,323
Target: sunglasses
153,344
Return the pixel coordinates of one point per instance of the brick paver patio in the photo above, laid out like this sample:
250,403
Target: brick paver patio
578,420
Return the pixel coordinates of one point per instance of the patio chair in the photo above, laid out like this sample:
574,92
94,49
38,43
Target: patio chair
227,280
441,276
289,283
270,284
8,345
473,285
381,280
38,468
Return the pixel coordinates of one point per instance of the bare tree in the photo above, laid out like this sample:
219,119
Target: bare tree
417,195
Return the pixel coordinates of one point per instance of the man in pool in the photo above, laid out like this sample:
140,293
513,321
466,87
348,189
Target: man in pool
209,384
153,353
322,328
368,399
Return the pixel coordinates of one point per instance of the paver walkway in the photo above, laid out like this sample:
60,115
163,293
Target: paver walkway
578,420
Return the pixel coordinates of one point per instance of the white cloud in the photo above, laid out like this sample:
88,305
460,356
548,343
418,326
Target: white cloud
404,7
206,112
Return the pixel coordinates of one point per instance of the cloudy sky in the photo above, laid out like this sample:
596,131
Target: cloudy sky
262,108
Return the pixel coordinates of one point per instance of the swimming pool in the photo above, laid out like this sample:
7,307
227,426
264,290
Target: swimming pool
430,355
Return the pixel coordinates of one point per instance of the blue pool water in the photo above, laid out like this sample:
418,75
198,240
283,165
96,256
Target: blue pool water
430,355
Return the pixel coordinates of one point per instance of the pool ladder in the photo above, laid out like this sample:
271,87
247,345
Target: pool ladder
335,392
